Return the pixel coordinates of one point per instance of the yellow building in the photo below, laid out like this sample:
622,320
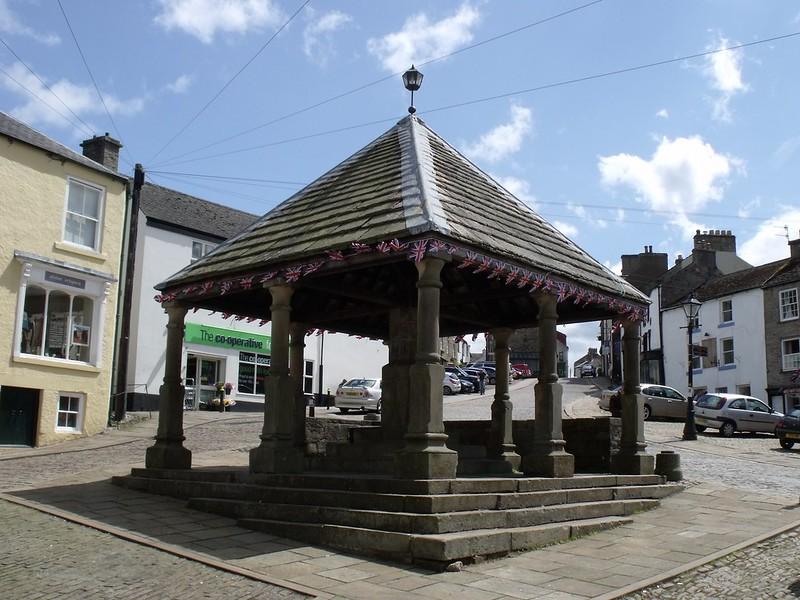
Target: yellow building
61,232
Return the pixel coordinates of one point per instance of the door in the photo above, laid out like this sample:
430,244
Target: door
761,418
206,372
676,403
19,412
654,398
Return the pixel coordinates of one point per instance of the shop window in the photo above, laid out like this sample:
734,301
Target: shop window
253,372
790,351
82,220
308,377
69,416
56,324
789,305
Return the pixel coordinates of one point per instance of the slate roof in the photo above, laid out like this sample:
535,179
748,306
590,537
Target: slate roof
20,131
179,209
740,281
407,183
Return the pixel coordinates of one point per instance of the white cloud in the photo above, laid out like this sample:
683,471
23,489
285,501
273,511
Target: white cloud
577,210
180,85
420,39
663,113
683,175
318,35
745,209
82,99
519,188
769,242
205,18
10,24
786,151
724,71
568,230
503,140
614,267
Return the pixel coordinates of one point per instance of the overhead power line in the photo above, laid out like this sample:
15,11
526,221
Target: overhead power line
557,84
383,79
230,81
248,179
94,82
86,127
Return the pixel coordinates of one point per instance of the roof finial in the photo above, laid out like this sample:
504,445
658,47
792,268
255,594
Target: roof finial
412,80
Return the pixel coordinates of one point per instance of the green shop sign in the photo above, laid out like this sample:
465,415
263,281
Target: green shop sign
194,333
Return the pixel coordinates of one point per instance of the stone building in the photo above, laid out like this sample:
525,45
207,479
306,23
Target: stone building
61,232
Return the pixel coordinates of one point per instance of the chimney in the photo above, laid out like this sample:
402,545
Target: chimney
794,248
643,270
718,240
104,150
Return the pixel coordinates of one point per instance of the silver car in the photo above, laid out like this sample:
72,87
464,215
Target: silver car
659,401
359,394
733,412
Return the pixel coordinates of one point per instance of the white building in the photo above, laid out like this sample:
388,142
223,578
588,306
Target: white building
173,230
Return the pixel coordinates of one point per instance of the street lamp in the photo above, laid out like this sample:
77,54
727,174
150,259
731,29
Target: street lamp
412,80
691,308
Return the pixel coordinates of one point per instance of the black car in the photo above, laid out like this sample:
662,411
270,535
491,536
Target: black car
788,429
463,376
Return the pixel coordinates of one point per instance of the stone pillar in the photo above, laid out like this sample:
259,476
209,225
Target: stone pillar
278,452
425,455
548,457
297,367
632,458
502,439
168,451
395,375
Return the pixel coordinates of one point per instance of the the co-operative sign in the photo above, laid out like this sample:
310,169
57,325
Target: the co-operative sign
206,335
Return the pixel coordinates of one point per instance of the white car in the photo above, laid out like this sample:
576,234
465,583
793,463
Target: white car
451,384
359,394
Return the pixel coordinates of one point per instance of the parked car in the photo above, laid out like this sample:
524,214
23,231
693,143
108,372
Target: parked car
472,381
450,384
359,394
587,370
788,429
734,412
491,374
523,369
659,401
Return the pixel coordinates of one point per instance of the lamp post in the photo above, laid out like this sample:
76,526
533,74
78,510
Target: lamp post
691,308
412,80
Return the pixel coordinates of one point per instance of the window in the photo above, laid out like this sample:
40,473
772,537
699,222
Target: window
738,404
308,377
710,359
788,304
743,389
200,249
710,401
756,405
253,372
56,324
727,351
69,414
790,349
726,307
82,220
722,390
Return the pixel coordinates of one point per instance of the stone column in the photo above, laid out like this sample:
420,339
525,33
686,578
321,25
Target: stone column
425,455
297,366
502,440
168,451
632,458
277,452
395,375
548,457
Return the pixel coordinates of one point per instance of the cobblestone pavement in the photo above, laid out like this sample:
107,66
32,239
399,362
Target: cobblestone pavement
767,571
45,557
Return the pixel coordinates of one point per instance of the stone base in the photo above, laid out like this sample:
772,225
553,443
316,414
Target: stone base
430,463
512,459
276,457
639,463
552,464
166,455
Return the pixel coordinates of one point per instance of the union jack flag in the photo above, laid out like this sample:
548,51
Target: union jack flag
188,290
246,283
418,250
225,287
314,266
360,248
616,326
437,246
267,276
563,292
524,279
538,281
158,298
512,275
335,255
452,250
396,245
486,263
207,287
580,295
293,273
470,259
549,284
383,248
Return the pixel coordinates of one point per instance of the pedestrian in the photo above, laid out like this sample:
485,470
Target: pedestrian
221,395
482,377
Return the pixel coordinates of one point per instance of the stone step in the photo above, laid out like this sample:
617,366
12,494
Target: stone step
405,522
419,504
436,550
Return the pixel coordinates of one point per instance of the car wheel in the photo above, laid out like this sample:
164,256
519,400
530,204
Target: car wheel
647,412
700,428
344,411
728,428
378,408
447,390
786,444
492,380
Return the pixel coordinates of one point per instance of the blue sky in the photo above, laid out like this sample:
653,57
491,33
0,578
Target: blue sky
617,163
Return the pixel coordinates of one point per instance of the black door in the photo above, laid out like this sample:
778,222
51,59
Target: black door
19,409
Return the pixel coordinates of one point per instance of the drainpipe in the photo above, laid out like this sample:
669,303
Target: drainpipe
661,375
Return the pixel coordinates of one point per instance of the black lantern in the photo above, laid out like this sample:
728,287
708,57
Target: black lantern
691,308
412,80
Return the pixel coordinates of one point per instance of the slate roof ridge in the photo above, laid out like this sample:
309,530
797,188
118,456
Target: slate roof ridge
19,130
742,280
421,156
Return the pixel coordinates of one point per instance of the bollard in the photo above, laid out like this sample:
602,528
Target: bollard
668,465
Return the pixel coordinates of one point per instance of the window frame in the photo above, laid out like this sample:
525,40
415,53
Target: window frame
308,379
796,303
732,351
722,319
205,246
785,367
79,414
100,214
